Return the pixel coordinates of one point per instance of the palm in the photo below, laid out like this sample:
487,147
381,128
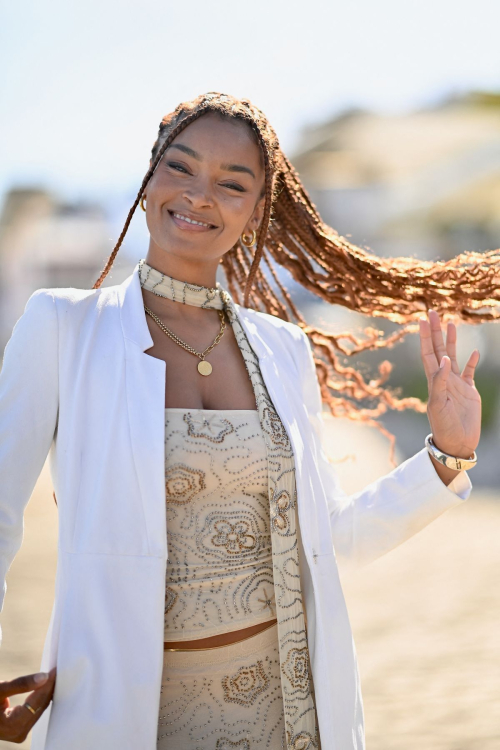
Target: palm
454,407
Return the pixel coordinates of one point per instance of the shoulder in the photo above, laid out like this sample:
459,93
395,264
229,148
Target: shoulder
73,297
71,300
51,312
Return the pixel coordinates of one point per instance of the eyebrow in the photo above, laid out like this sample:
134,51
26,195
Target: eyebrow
227,167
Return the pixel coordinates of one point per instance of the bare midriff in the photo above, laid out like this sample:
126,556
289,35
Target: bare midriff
221,639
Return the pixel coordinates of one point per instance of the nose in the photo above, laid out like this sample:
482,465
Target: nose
199,194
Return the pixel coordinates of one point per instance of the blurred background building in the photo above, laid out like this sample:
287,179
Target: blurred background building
46,241
425,183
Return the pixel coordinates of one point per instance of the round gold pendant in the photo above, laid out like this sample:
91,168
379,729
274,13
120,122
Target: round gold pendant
204,367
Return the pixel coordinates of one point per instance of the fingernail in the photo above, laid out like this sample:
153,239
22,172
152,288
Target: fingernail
442,363
41,677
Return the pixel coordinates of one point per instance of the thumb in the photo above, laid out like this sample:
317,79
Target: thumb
23,684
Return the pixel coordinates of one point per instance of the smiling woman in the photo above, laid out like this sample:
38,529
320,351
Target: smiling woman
199,513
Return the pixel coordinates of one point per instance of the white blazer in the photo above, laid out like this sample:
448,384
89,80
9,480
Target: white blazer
77,385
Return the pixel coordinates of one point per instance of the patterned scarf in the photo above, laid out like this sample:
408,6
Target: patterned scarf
296,681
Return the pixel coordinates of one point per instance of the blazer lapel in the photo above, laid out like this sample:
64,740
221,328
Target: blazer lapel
145,388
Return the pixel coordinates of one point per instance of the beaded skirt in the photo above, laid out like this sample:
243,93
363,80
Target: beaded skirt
227,698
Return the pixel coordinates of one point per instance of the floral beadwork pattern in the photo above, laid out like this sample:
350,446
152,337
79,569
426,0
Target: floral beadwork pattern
296,668
301,741
235,537
203,426
280,506
246,685
182,483
238,531
171,597
273,426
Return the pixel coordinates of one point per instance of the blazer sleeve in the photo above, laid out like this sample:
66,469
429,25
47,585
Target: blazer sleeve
390,510
29,397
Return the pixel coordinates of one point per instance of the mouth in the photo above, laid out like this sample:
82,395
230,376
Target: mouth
183,221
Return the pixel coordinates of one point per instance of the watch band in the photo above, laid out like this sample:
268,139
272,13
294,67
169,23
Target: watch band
452,462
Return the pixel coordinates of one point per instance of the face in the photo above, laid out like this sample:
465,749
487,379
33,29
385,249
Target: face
211,173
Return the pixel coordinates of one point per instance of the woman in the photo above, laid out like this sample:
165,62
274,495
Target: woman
164,388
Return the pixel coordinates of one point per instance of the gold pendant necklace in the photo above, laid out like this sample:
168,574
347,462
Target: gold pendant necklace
204,367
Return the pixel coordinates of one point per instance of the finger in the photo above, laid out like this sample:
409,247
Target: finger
437,335
21,718
39,700
451,347
440,379
427,352
470,368
22,684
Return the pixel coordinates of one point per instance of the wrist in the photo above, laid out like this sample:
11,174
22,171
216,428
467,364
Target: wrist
450,461
445,474
452,450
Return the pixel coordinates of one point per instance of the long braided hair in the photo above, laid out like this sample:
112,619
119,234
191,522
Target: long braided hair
293,235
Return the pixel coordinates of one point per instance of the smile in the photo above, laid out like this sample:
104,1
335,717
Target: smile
181,220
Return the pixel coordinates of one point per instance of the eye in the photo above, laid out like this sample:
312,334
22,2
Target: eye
177,167
235,186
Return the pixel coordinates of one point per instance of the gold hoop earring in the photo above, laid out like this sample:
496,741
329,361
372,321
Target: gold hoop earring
142,203
249,242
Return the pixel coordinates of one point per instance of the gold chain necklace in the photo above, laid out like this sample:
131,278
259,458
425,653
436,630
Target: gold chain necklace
204,367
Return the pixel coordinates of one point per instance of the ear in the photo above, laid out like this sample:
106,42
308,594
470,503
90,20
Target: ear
256,218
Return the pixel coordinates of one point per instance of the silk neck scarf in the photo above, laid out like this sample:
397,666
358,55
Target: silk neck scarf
296,680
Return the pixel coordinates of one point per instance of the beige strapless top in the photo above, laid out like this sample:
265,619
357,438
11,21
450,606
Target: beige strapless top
219,568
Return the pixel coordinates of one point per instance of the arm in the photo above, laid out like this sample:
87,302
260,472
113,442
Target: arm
389,511
28,416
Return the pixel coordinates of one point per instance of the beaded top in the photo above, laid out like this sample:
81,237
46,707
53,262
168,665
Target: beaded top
181,291
219,574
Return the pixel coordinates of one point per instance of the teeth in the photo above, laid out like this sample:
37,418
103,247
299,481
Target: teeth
191,221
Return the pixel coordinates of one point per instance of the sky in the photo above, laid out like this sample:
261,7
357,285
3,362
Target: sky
85,83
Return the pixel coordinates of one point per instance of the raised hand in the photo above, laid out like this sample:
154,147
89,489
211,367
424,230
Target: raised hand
454,406
16,722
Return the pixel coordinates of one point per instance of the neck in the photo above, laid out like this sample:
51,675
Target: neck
198,272
178,298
